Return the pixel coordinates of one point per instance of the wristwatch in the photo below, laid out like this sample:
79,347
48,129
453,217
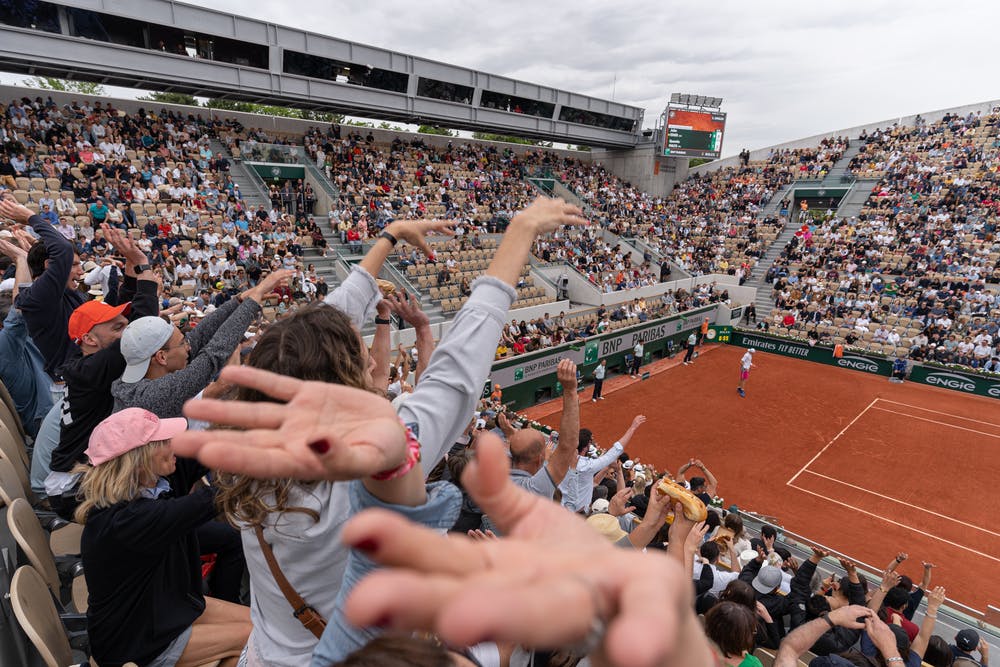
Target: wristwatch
142,268
388,237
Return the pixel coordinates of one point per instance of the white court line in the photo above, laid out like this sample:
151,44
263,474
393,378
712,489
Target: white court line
910,505
820,453
896,523
938,412
934,421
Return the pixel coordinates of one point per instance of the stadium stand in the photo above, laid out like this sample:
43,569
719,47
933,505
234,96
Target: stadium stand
914,273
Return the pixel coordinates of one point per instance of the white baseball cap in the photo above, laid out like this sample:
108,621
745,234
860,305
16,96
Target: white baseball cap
140,341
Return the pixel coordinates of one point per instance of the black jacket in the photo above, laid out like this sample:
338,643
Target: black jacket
47,304
88,398
777,605
143,573
834,640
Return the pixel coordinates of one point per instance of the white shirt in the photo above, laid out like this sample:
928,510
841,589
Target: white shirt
746,362
720,578
578,485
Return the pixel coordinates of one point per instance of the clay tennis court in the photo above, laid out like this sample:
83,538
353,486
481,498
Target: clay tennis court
861,465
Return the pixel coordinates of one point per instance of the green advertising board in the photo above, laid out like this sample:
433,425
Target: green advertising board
948,378
818,353
529,378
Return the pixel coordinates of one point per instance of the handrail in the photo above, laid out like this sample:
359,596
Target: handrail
958,611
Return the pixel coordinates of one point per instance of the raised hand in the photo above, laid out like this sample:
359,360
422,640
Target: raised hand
881,635
848,565
697,535
889,580
268,284
320,431
415,232
936,597
637,422
852,616
482,535
10,208
566,374
618,502
12,250
818,554
124,245
408,308
546,215
543,585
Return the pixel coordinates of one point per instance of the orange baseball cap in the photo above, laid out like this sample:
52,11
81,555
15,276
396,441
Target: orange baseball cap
91,313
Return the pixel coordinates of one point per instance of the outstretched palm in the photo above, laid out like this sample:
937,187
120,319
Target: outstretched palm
322,431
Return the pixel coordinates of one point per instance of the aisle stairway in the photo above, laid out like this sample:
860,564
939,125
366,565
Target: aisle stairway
763,301
838,172
855,199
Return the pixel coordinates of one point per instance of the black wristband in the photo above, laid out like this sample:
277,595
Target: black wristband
383,320
826,617
389,237
141,268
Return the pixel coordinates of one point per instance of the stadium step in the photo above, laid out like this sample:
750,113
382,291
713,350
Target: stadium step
772,207
838,172
854,200
763,301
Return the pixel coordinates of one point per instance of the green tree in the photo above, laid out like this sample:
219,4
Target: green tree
581,147
171,98
271,110
386,126
51,83
434,129
488,136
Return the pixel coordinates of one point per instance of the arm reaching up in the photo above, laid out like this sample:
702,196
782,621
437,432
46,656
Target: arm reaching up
569,426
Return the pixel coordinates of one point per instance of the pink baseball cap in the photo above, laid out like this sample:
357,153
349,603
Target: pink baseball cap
127,430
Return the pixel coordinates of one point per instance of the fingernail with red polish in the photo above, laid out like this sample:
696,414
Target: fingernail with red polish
367,545
320,446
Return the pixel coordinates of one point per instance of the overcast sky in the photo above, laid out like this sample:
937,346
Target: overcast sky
786,69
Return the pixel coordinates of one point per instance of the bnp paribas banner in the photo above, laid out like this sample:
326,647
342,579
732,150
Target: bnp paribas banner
821,354
948,378
612,346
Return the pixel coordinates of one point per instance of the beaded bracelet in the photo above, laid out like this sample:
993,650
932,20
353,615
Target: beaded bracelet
412,457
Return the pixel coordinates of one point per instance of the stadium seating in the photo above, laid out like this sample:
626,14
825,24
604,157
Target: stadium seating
916,273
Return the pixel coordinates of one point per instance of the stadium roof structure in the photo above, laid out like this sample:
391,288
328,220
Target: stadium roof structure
175,47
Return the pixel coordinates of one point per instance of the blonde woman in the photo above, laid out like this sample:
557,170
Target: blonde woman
140,551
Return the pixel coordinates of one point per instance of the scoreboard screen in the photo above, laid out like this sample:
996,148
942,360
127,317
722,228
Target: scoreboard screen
694,133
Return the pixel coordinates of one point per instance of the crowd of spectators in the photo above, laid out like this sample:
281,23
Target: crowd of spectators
330,490
609,268
154,175
916,273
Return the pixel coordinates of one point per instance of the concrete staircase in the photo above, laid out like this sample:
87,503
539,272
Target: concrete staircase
251,186
763,301
838,173
773,207
855,199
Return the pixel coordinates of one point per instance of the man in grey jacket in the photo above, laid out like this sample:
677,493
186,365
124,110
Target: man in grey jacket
166,368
